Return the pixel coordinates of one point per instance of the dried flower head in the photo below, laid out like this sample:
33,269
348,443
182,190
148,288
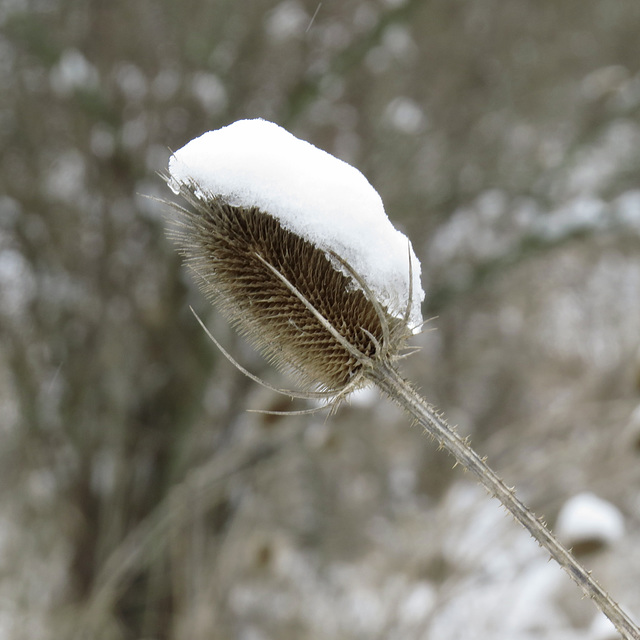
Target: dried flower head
275,288
272,229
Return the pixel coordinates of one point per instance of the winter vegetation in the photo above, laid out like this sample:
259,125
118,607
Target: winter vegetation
324,200
139,498
293,246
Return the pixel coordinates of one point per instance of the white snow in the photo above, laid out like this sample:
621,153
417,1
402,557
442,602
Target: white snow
210,92
73,71
405,115
587,517
255,163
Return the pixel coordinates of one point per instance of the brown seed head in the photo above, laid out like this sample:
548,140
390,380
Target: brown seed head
248,264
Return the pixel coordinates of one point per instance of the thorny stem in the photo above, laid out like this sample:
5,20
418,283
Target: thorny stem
389,380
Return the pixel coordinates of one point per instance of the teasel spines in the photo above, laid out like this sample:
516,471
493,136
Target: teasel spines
275,287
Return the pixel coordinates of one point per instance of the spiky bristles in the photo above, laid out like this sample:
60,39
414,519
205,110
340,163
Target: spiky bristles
276,288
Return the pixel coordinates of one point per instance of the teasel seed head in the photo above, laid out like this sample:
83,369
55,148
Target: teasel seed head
276,287
295,249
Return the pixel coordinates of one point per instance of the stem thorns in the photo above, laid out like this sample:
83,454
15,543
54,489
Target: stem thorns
389,380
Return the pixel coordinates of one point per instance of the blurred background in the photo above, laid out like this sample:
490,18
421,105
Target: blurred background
138,497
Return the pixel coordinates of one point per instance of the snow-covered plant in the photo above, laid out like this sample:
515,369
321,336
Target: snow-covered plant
294,247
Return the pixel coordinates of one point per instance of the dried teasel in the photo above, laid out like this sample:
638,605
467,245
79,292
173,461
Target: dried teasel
300,302
261,276
294,247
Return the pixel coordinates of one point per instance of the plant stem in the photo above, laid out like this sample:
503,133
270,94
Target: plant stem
389,380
